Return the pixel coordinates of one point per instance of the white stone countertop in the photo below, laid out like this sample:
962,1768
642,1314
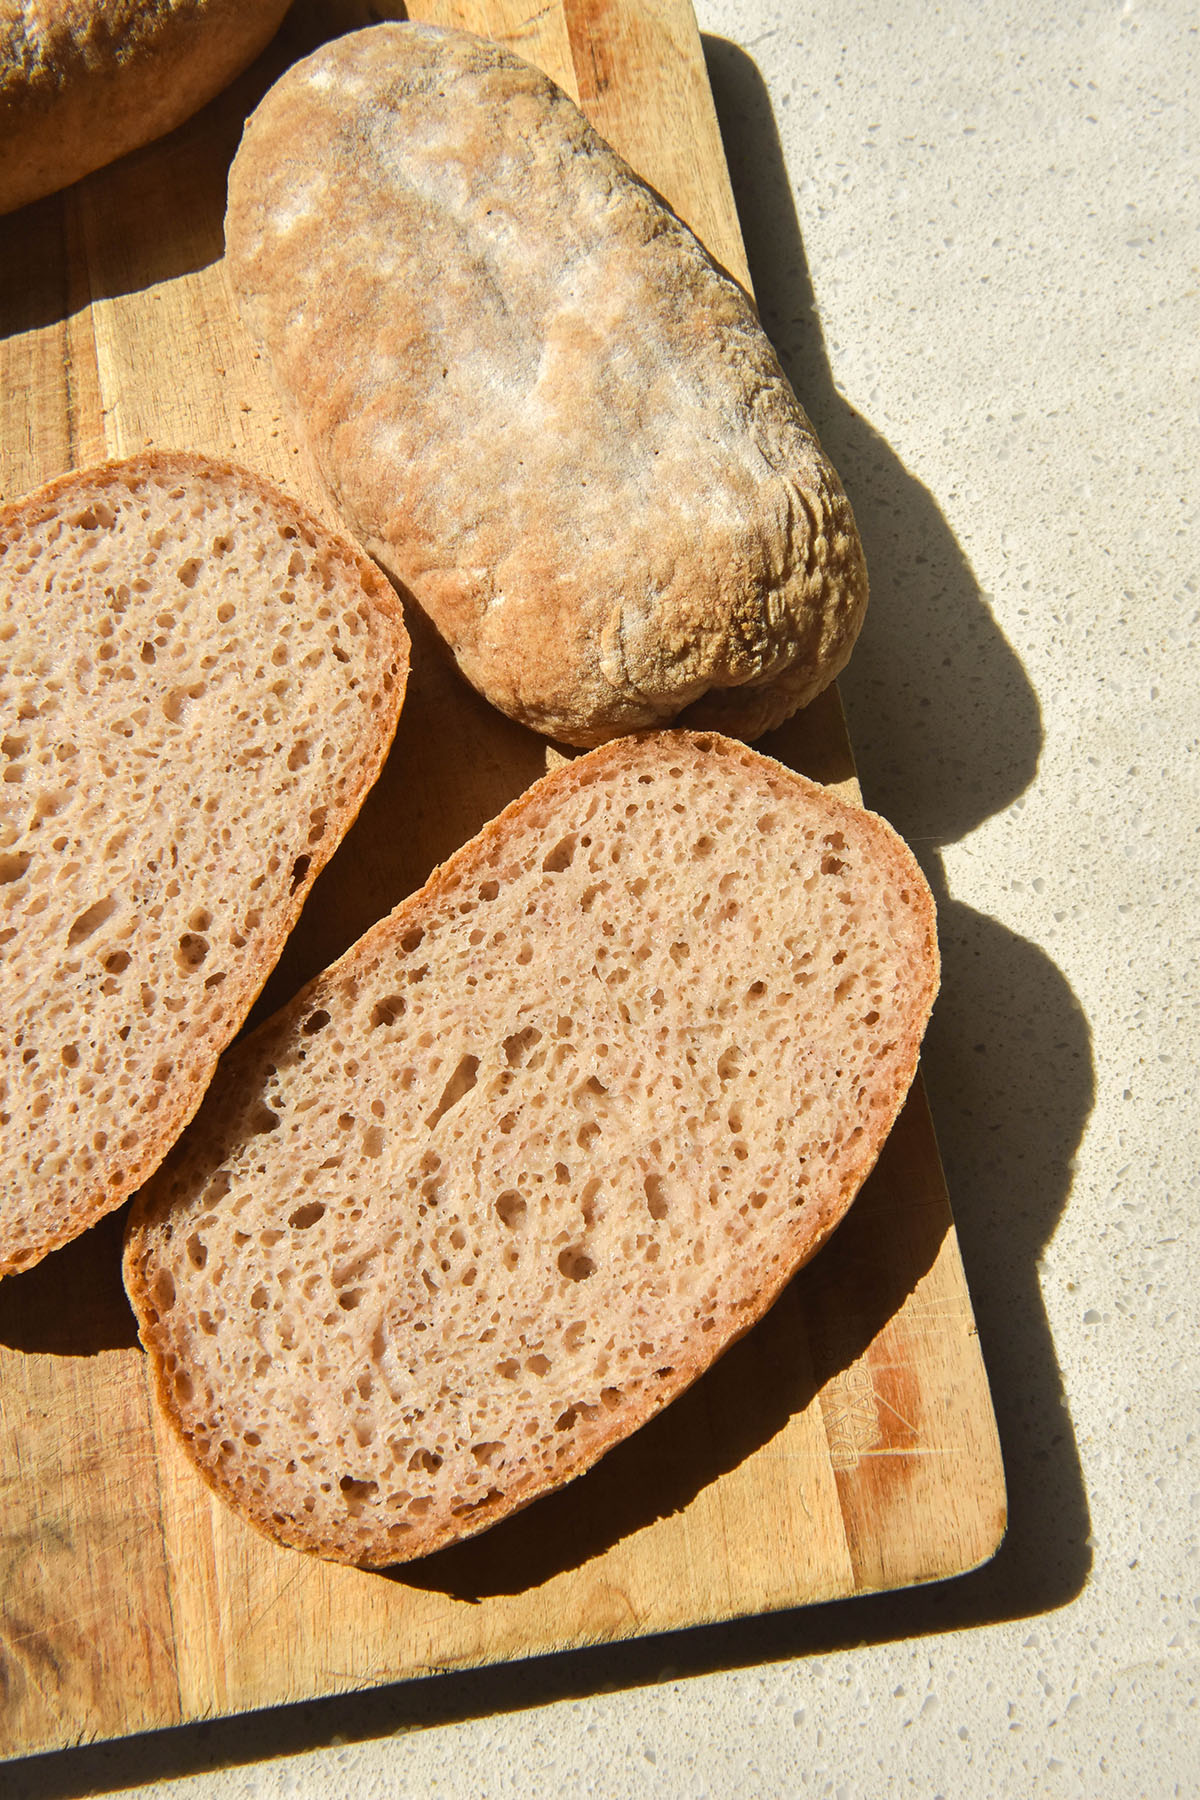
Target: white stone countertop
974,230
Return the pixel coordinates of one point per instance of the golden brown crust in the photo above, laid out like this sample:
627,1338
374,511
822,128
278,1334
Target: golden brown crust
84,81
115,814
220,1399
537,401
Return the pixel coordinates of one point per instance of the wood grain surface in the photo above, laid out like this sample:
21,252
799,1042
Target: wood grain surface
846,1445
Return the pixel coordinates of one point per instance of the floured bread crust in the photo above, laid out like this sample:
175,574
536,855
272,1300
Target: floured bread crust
198,685
508,1176
84,81
537,401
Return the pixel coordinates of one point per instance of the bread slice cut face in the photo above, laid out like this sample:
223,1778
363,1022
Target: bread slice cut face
198,686
507,1177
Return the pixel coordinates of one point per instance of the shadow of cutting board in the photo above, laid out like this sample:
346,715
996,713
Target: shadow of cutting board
845,1446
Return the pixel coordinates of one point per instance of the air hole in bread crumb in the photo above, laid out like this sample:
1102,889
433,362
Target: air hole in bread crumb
300,869
176,702
538,1364
575,1263
91,920
518,1045
12,867
358,1493
388,1010
197,1251
307,1215
511,1208
561,856
486,1454
190,952
412,940
656,1200
459,1085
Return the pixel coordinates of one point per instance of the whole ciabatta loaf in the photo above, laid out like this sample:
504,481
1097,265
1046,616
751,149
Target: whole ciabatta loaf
84,81
510,1174
198,685
535,398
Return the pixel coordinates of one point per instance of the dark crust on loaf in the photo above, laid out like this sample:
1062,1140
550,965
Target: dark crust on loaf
120,1173
154,1212
84,81
536,399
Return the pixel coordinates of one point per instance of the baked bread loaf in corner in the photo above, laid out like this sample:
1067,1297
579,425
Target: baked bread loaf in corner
537,401
509,1175
198,685
85,81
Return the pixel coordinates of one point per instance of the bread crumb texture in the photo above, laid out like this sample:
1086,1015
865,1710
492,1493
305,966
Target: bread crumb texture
198,684
535,397
501,1182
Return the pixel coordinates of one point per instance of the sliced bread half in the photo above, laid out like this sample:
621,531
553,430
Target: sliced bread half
537,400
84,81
507,1177
198,685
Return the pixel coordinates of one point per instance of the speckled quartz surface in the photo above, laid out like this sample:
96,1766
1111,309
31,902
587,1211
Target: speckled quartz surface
973,231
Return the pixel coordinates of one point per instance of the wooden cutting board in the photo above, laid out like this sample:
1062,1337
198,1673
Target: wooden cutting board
846,1445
